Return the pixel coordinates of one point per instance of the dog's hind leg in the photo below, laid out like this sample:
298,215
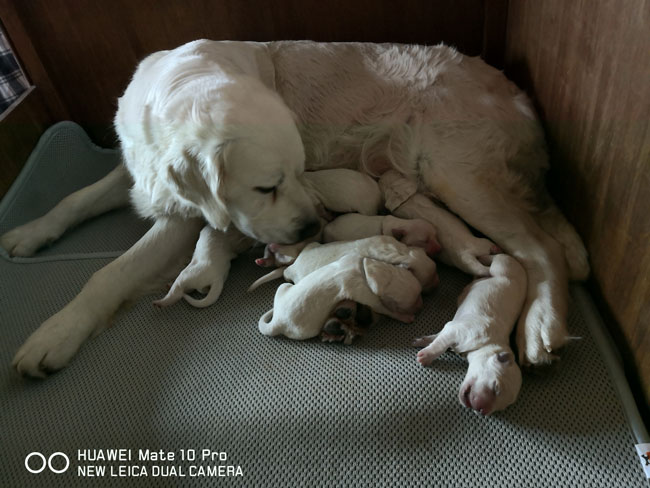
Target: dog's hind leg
556,225
144,267
111,192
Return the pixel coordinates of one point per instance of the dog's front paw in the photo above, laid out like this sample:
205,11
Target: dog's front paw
54,343
205,278
541,332
25,240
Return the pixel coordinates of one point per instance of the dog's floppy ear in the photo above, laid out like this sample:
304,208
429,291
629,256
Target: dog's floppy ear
202,184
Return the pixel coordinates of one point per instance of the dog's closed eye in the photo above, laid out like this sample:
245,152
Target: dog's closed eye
266,189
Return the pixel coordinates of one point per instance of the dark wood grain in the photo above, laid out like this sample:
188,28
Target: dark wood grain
587,64
22,125
90,48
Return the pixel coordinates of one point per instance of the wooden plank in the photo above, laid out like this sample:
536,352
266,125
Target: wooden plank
586,64
91,48
21,128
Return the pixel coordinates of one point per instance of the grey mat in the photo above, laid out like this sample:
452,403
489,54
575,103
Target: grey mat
288,413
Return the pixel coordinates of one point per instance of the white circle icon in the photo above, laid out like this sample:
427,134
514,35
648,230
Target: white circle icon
46,462
58,471
38,454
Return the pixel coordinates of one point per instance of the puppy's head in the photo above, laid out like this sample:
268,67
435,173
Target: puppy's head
493,379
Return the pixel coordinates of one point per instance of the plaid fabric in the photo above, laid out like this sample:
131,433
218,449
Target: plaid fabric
12,80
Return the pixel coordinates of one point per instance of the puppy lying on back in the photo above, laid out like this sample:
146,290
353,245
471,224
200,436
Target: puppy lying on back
487,312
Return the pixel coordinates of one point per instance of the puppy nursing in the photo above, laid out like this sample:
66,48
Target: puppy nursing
487,312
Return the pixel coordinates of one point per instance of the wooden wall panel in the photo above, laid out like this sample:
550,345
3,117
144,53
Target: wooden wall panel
90,48
21,127
587,65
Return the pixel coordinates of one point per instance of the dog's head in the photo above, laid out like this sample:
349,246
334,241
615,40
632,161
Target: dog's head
493,379
248,162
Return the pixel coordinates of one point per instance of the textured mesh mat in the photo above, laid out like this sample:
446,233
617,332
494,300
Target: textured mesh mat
288,413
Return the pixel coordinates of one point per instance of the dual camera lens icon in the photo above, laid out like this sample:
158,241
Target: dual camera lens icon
35,462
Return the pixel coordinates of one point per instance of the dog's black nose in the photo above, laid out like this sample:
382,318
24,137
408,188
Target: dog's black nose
308,230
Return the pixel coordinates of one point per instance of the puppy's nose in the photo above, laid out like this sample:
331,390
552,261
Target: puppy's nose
308,230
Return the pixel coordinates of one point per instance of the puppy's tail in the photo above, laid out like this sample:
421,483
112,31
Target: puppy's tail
273,275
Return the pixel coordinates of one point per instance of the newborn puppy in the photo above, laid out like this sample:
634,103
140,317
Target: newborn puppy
382,248
481,329
412,232
460,248
344,190
332,190
301,311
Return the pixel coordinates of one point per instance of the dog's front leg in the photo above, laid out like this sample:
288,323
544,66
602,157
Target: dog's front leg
111,192
208,269
139,270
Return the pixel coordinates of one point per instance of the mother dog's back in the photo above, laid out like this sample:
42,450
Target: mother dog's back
407,104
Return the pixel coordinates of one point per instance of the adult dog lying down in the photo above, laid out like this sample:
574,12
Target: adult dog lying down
220,132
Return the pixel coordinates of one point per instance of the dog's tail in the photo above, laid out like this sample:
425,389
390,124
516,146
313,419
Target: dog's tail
273,275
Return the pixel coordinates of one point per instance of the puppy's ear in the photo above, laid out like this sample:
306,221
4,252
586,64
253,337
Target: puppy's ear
202,185
397,288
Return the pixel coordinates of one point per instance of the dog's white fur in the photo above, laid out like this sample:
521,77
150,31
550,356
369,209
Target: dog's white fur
381,248
221,131
354,226
339,190
487,312
412,232
344,190
300,310
333,190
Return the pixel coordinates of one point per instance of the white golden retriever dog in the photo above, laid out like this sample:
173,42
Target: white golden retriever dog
221,132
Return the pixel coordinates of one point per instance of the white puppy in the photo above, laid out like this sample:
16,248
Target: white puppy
382,248
335,190
412,232
344,190
481,330
459,247
354,226
300,311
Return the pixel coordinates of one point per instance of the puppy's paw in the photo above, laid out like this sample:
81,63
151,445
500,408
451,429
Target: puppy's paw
468,256
197,276
348,320
55,342
541,332
425,357
25,240
280,254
